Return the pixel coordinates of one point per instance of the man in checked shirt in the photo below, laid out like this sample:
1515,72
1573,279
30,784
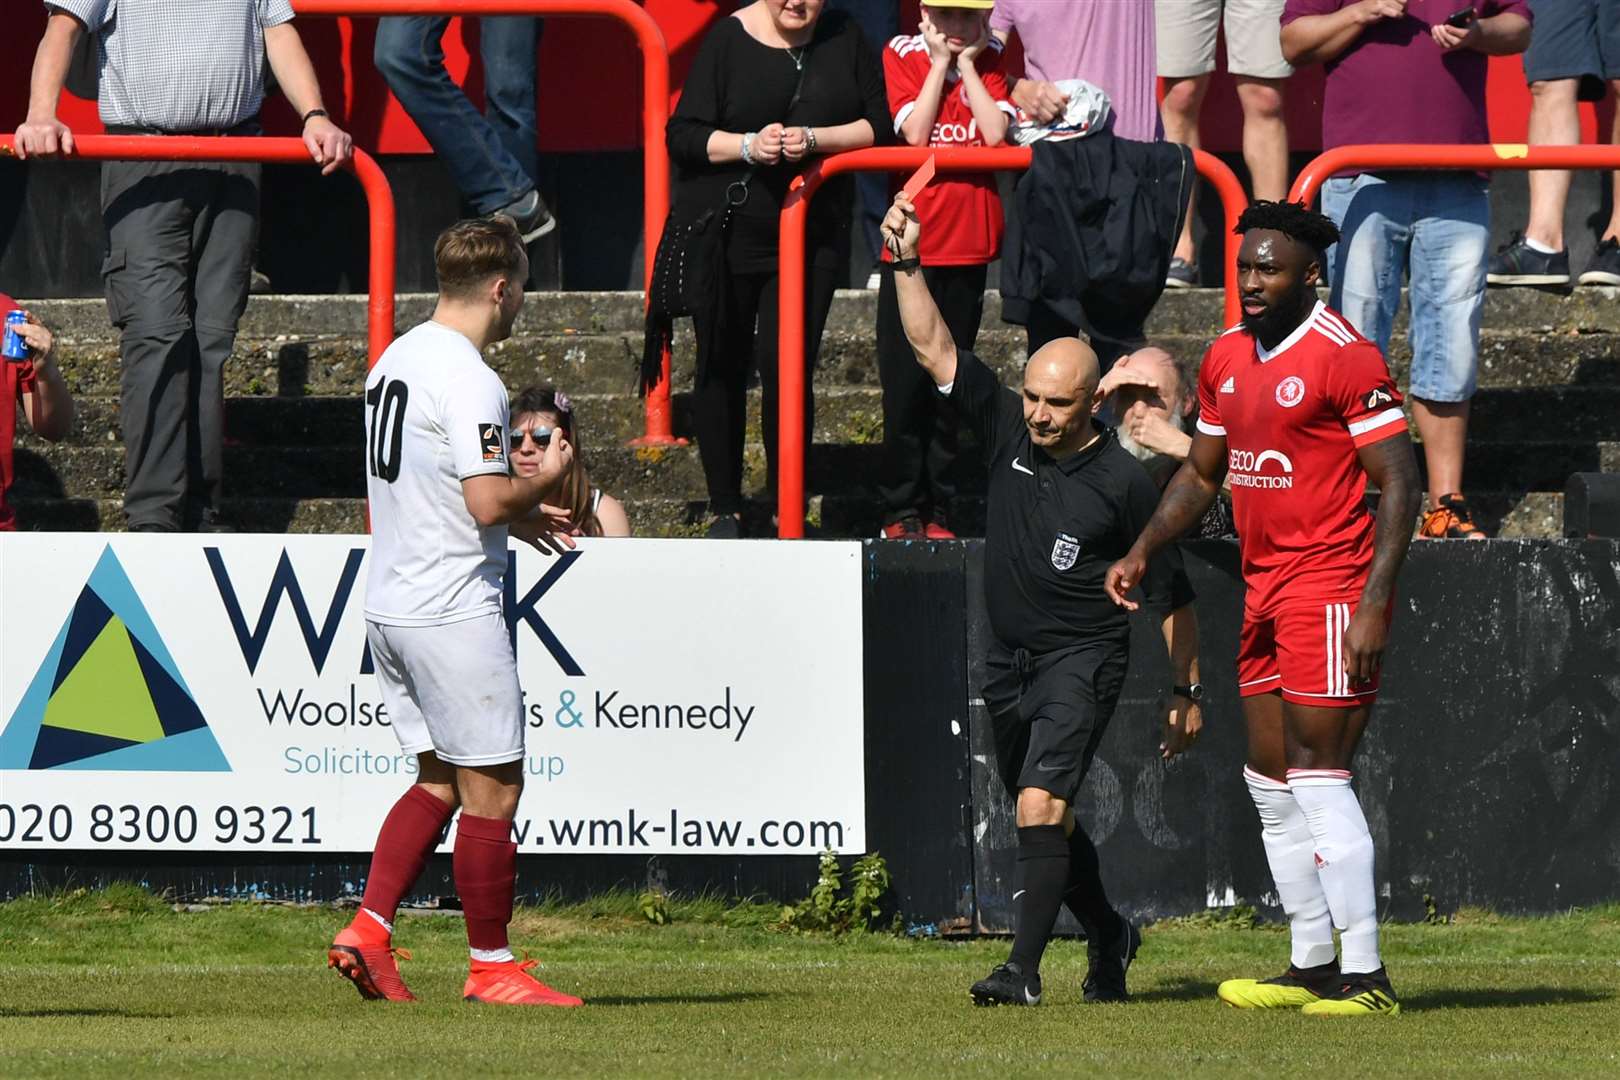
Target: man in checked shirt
180,234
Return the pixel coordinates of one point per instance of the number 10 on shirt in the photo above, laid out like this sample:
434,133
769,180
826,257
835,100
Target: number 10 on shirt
386,401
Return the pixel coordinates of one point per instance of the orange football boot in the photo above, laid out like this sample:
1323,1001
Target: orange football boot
369,964
509,983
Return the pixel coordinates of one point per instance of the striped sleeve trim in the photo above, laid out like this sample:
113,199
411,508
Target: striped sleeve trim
1379,420
1210,429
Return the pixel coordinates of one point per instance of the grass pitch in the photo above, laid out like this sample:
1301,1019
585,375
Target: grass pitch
118,984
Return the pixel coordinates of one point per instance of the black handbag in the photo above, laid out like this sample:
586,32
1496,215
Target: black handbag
688,276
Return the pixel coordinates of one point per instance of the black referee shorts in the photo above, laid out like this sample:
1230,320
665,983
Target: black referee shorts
1049,712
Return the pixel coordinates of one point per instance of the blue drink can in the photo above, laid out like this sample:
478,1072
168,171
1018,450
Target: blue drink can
15,348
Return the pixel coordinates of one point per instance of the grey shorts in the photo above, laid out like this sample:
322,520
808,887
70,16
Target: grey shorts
1186,31
1574,39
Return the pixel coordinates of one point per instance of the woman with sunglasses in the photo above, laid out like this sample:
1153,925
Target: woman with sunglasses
537,411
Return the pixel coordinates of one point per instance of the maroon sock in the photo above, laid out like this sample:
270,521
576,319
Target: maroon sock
409,834
486,876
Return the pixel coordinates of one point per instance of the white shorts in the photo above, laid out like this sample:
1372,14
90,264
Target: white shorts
1186,32
452,689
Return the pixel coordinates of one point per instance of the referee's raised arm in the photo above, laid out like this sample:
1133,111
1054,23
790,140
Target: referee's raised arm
925,328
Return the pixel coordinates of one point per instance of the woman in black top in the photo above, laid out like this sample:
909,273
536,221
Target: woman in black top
734,116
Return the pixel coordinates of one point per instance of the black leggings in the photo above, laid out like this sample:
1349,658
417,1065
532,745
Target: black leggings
721,400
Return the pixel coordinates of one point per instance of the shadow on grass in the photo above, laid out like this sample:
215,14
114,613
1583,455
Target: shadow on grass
674,999
1502,999
13,1013
1186,990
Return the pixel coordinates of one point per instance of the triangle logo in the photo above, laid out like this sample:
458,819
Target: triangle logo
108,695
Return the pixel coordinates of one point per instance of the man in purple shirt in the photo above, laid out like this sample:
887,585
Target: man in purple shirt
1108,43
1412,71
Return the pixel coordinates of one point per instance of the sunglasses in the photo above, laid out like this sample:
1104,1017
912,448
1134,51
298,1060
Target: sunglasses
540,435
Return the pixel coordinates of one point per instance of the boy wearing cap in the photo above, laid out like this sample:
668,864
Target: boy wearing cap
945,89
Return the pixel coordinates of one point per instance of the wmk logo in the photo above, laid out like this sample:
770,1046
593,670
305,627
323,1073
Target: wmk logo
318,640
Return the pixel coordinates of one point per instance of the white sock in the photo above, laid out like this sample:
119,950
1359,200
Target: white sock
1344,861
1291,853
492,956
1537,245
386,925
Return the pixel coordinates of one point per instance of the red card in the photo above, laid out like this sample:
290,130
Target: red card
919,179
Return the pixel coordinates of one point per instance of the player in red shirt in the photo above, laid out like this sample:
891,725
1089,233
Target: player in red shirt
1301,411
945,89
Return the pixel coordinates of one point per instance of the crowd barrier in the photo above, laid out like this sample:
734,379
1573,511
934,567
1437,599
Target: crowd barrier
276,151
795,213
654,114
1481,157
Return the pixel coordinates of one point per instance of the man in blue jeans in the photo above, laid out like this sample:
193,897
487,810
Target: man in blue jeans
1412,71
493,156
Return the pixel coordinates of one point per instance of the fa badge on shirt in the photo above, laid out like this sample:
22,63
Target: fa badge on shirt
1065,550
489,438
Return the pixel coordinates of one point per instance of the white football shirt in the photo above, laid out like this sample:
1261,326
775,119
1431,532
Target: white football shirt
435,415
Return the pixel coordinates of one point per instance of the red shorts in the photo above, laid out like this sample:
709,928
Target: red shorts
1300,650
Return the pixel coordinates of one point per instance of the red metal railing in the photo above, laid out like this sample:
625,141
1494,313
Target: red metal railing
654,115
279,151
1474,157
790,306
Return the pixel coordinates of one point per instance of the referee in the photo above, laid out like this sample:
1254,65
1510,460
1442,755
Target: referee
1065,501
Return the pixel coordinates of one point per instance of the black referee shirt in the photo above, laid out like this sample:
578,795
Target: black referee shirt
1055,527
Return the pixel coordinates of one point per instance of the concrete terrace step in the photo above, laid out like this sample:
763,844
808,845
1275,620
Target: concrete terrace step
852,414
606,363
65,470
1505,514
1179,311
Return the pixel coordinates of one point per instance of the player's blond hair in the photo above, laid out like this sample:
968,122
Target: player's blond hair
471,252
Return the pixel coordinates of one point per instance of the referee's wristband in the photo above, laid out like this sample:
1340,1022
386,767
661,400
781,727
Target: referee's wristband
905,264
312,114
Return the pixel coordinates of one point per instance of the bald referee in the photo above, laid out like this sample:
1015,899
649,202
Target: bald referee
1065,500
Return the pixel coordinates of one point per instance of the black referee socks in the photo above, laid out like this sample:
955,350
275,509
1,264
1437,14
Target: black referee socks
1084,894
1043,864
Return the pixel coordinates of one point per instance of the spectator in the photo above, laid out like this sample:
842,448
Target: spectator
771,86
945,89
1109,43
1154,399
879,21
36,384
538,412
493,156
1400,71
1575,47
180,234
1187,30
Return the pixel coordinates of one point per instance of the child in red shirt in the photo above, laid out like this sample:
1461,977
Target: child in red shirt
945,89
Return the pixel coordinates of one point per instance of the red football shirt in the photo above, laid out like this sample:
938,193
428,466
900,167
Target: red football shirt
961,212
15,381
1294,419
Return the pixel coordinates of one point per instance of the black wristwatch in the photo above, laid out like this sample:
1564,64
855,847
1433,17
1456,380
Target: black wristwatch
307,117
1191,691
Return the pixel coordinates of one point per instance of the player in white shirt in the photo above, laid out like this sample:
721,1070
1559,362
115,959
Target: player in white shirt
442,498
